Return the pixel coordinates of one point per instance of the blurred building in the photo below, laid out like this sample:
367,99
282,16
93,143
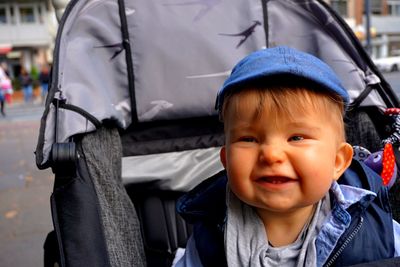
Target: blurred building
384,17
27,32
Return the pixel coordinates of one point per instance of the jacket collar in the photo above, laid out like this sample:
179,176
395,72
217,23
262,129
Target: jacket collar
346,195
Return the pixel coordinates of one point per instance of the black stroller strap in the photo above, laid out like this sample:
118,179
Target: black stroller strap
378,87
129,63
359,99
386,98
61,104
265,14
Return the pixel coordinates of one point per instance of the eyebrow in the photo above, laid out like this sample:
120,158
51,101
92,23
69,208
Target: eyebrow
240,127
304,125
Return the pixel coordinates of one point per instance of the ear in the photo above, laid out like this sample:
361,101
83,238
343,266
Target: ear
222,156
344,156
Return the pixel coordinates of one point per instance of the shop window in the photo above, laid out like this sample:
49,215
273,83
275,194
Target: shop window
394,7
27,14
3,15
376,6
12,15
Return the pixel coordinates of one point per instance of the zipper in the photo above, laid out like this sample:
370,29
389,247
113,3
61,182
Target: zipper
345,243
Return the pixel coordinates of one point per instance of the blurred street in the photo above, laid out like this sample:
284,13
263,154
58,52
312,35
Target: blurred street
25,216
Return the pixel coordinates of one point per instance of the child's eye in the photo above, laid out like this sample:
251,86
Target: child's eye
296,138
247,139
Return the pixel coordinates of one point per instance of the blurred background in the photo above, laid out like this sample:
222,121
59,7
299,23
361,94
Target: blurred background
27,32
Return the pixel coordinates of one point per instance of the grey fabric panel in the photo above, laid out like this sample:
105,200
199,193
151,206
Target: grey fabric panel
182,56
103,152
180,59
89,76
86,74
308,27
176,171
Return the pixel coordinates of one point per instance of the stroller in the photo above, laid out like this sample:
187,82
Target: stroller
130,123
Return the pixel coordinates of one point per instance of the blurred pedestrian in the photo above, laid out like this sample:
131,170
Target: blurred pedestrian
26,83
2,103
44,78
6,84
5,87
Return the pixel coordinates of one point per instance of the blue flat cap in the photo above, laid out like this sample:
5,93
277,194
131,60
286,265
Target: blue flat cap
267,63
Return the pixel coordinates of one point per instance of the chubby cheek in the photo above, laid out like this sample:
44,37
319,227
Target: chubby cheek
315,167
242,189
316,183
239,167
315,171
239,161
238,178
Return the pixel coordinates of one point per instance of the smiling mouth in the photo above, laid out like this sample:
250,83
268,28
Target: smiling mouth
275,180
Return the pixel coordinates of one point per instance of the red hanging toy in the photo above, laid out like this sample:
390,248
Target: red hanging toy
389,160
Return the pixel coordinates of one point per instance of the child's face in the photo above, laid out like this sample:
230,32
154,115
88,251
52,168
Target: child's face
281,163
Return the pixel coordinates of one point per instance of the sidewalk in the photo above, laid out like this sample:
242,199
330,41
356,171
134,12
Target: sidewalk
18,110
25,214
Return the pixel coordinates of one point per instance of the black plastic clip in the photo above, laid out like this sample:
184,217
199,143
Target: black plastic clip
63,155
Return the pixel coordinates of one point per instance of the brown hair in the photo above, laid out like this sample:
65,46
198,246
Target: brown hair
288,101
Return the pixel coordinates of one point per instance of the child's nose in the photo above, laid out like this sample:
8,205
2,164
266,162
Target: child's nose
271,154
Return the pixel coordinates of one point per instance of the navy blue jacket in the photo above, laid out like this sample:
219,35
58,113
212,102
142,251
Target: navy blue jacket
369,237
